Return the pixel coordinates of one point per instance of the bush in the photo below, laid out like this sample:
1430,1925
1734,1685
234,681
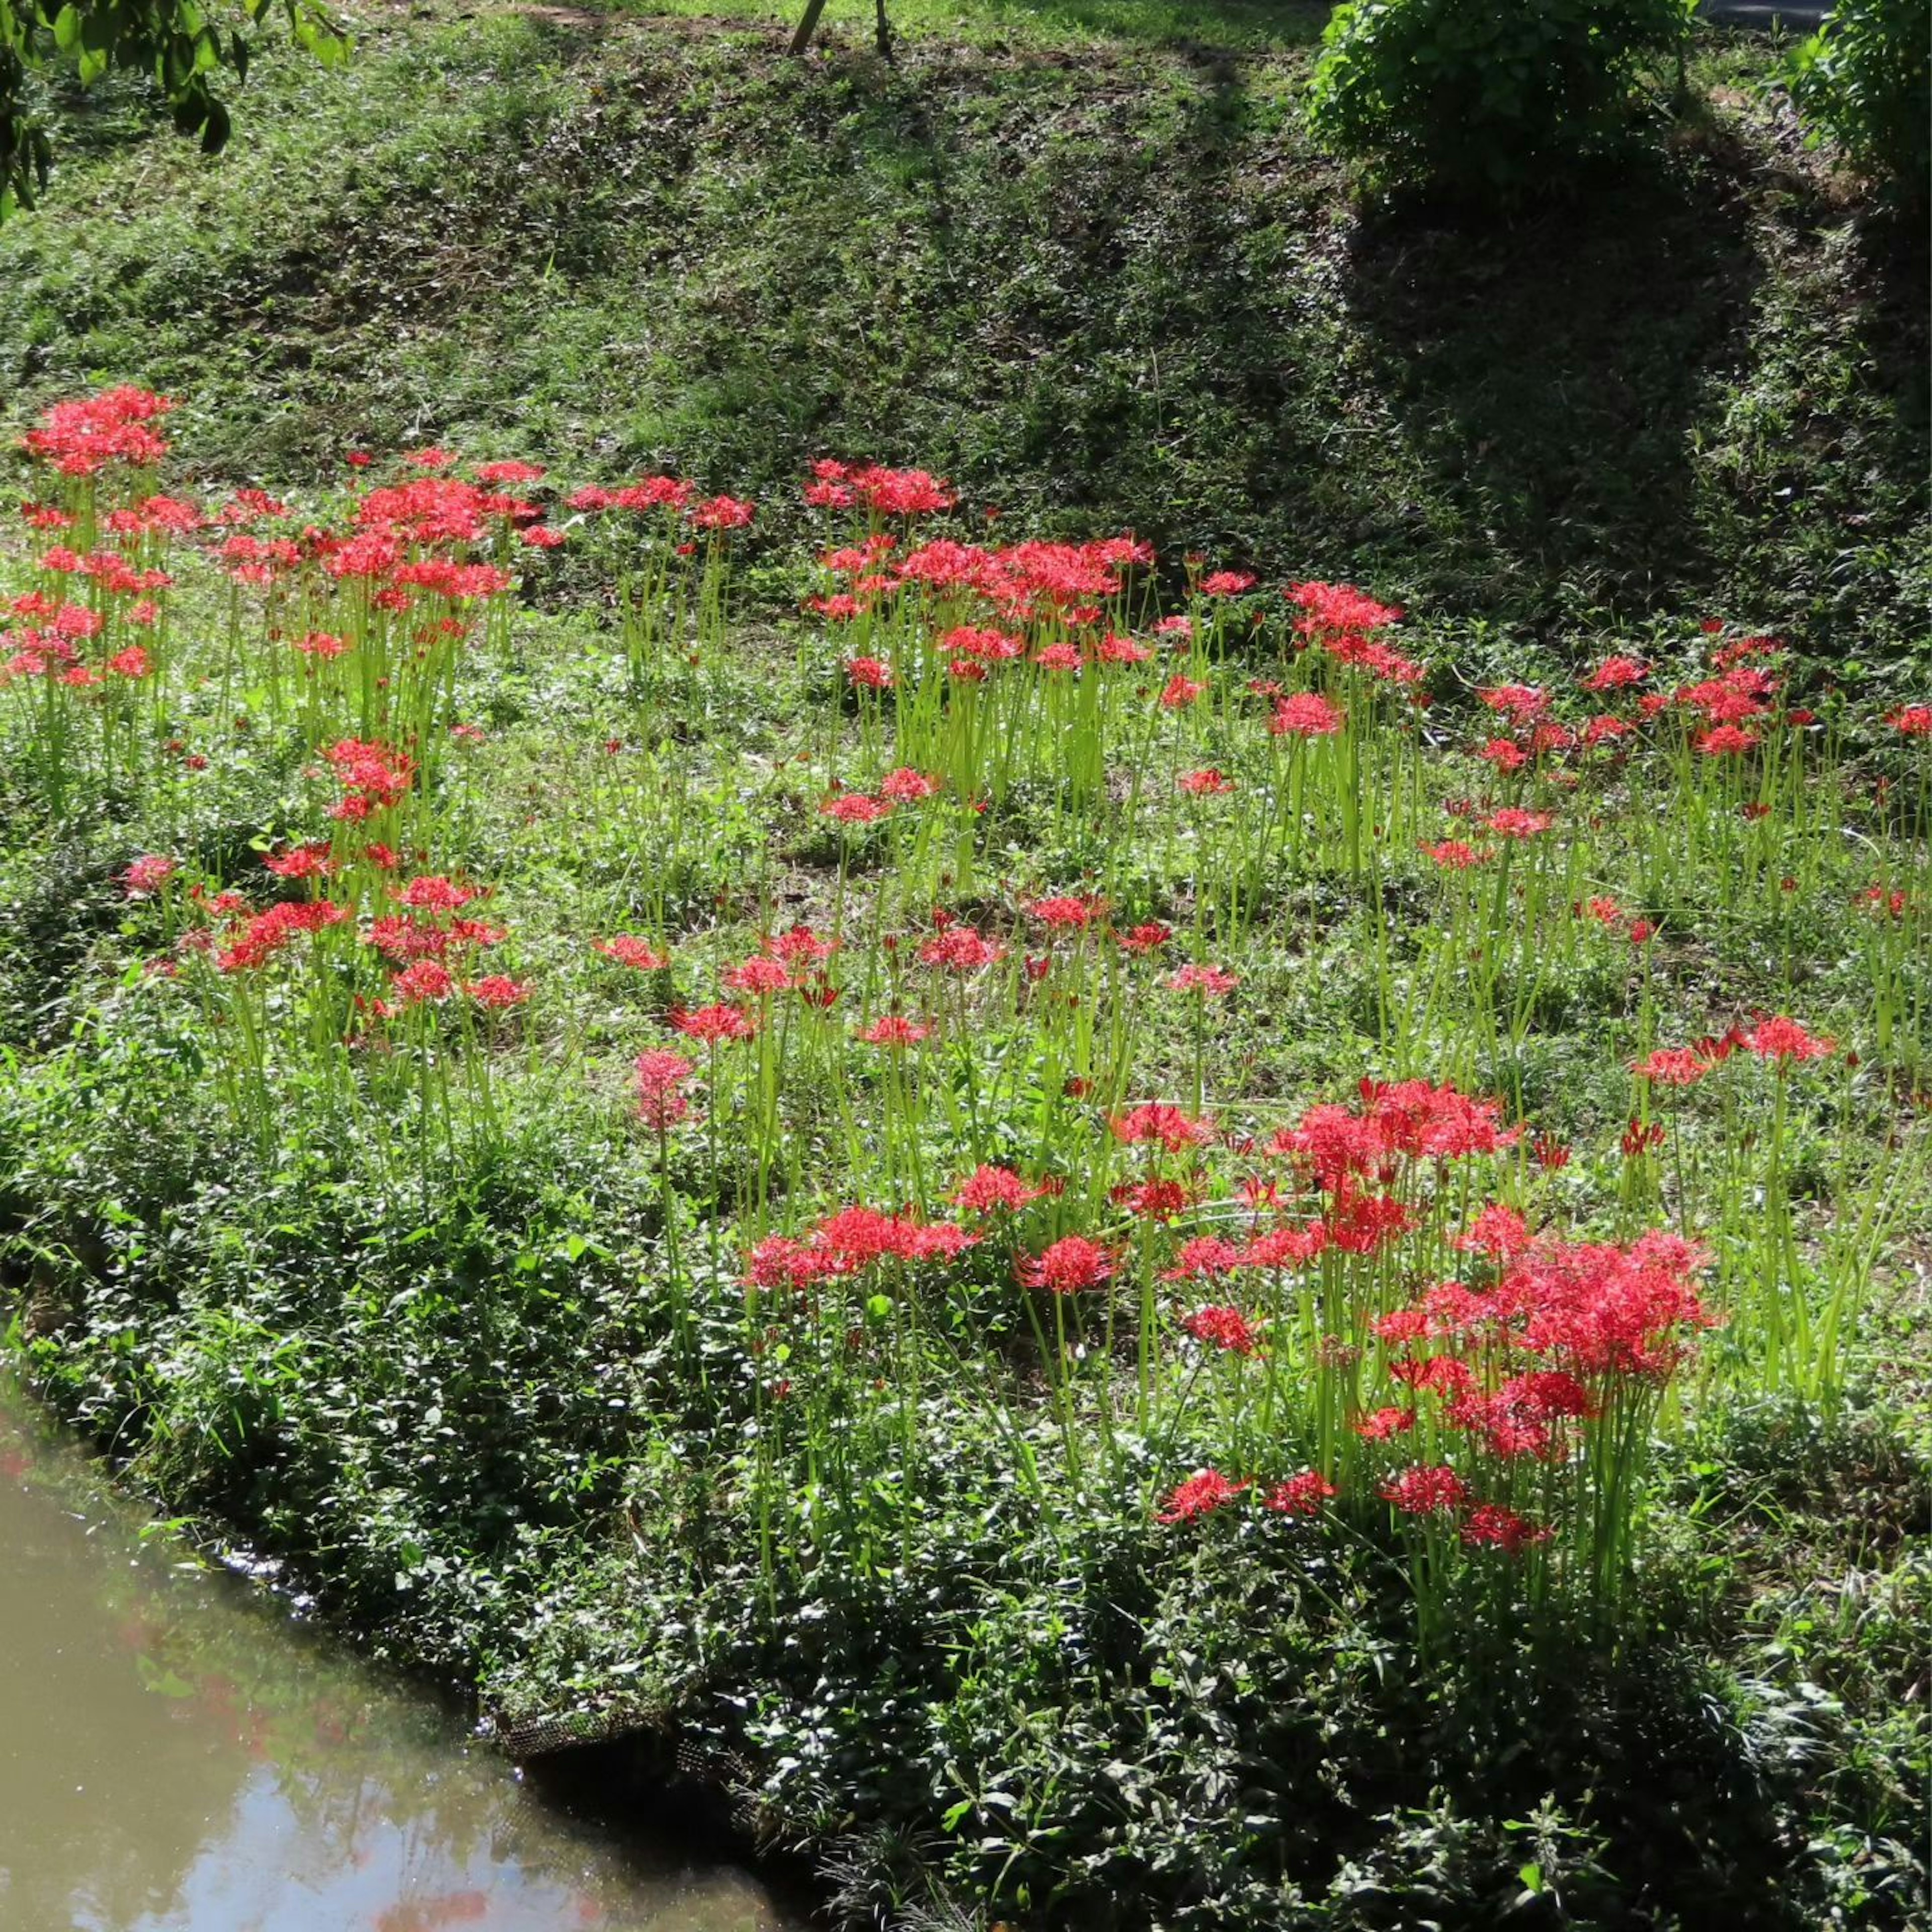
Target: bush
1864,78
1491,100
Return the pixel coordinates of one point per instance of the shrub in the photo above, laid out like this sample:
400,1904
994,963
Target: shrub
1864,79
1490,100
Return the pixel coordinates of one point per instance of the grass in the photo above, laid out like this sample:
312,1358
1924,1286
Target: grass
1099,279
562,1315
538,1353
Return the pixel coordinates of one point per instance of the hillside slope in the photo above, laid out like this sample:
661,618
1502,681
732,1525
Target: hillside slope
1100,280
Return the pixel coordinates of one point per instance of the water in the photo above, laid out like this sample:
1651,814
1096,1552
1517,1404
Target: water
180,1753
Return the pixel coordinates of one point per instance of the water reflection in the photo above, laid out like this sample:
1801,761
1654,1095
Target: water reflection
177,1754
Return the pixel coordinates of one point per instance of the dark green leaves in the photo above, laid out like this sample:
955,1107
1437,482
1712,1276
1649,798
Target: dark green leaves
173,39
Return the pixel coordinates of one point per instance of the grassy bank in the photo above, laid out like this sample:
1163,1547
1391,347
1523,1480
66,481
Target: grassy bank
1080,257
1135,1266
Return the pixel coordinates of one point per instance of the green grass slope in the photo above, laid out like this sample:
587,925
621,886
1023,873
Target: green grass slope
1077,253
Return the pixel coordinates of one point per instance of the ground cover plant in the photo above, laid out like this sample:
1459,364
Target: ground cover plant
1142,1259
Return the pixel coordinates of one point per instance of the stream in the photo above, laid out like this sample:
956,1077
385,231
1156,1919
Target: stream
181,1752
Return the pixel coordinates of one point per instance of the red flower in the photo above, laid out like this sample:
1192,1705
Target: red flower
1427,1490
1378,1425
760,976
1497,1231
1227,582
1914,721
893,1030
1300,1496
498,990
715,1023
1491,1523
907,786
1452,854
1307,714
1223,1328
1180,691
1211,982
1161,1122
1073,1263
1512,821
989,1190
869,673
854,807
661,1075
149,874
1067,913
1674,1066
1784,1040
1204,1492
628,950
1205,783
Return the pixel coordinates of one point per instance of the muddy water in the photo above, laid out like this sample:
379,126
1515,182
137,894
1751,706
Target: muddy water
178,1752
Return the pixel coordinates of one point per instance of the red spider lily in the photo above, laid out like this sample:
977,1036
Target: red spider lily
1512,821
1306,714
1227,582
996,1190
906,786
1784,1041
1285,1247
1117,650
1491,1524
1180,691
891,1029
149,874
1061,657
81,437
1504,754
1300,1496
855,808
1673,1067
1521,703
1914,720
1152,1200
1726,741
1452,854
850,1240
1144,938
1068,913
712,1025
1204,1492
1206,783
1378,1425
627,950
869,673
1204,1256
760,976
662,1074
1427,1490
1498,1231
498,990
1160,1122
1551,1154
1210,982
800,947
1638,1139
1223,1328
432,893
301,862
1335,607
1071,1264
427,981
960,950
722,513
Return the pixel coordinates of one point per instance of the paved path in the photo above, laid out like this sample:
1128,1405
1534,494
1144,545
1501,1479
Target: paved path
1796,18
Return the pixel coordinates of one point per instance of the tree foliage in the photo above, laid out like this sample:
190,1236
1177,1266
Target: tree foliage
1485,100
1865,79
182,46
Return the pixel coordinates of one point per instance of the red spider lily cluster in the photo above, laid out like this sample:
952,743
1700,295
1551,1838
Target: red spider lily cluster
942,1106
